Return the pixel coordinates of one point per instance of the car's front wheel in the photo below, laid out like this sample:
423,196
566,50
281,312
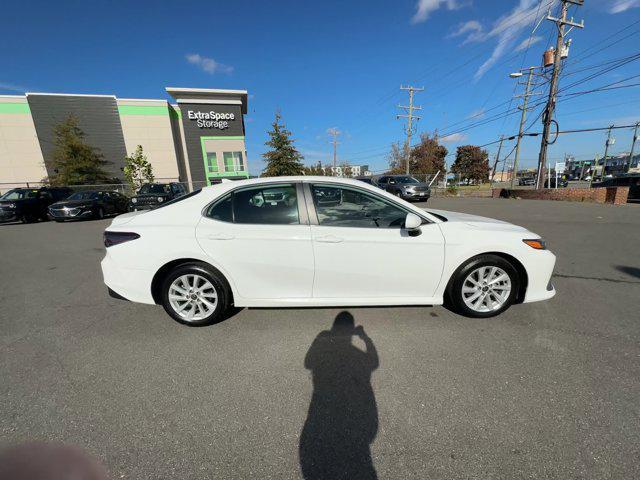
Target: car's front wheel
194,294
483,287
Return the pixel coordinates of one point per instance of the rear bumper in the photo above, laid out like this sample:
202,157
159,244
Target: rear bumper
129,283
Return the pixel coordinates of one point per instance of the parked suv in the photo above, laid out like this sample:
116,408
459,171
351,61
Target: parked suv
405,187
30,204
152,195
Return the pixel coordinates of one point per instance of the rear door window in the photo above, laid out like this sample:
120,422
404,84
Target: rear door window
270,205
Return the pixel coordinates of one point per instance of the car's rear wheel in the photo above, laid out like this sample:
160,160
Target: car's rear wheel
194,294
483,287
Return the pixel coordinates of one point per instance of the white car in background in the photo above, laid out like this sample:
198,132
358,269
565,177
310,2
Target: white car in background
238,243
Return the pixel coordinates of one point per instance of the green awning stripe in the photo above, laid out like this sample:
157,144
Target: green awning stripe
143,110
15,108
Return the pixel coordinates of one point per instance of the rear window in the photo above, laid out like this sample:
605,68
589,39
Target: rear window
179,199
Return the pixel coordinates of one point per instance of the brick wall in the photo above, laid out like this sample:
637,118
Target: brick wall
614,195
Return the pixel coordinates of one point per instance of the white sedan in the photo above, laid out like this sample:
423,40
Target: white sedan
318,241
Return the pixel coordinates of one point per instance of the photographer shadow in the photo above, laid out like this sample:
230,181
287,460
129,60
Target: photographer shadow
342,421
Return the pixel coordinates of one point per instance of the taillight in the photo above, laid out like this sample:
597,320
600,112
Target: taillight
114,238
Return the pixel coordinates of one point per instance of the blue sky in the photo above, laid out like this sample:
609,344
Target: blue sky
333,64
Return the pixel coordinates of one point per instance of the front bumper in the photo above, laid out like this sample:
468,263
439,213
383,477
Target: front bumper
415,195
69,214
134,207
540,270
8,216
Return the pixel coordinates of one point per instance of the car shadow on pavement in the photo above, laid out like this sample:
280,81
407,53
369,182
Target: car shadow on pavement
342,421
633,271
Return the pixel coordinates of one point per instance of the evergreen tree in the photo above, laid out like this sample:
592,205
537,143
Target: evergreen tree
283,158
76,162
316,170
472,164
137,169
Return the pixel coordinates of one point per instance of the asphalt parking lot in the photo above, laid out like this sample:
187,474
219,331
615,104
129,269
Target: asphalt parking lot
547,390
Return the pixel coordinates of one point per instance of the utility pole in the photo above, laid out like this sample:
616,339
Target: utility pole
334,132
610,141
523,118
553,88
409,129
633,147
495,164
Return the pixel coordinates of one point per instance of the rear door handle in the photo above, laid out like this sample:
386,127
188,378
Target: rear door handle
329,239
220,236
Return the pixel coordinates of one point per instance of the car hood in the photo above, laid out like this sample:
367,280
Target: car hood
73,203
483,223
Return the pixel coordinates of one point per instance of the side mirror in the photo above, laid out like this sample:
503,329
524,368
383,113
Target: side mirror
412,224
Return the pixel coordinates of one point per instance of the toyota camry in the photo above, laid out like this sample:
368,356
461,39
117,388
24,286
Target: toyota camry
318,241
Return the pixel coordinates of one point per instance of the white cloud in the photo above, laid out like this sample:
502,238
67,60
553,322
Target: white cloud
479,113
425,7
619,6
473,29
526,43
508,27
12,87
208,65
453,138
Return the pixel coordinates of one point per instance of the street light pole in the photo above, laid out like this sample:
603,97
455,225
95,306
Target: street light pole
522,120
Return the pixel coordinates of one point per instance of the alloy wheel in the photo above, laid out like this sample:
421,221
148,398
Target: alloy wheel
193,297
486,289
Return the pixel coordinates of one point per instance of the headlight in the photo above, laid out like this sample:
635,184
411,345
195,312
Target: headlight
160,199
11,205
134,200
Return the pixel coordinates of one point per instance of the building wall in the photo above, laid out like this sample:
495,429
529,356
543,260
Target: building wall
148,123
193,134
97,117
20,156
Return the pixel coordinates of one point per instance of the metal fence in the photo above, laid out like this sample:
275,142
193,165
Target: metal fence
123,188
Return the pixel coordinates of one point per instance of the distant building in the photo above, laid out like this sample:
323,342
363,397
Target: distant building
356,170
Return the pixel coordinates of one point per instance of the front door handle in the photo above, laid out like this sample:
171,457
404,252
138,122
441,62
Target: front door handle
329,239
220,236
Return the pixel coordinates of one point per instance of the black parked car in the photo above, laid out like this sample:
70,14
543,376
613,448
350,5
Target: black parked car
368,180
89,204
30,204
631,180
405,187
526,181
561,183
152,195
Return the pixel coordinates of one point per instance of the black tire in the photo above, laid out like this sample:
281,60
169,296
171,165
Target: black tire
28,218
217,280
454,296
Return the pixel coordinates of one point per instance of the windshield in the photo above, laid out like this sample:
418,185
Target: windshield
154,188
406,180
18,194
84,196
